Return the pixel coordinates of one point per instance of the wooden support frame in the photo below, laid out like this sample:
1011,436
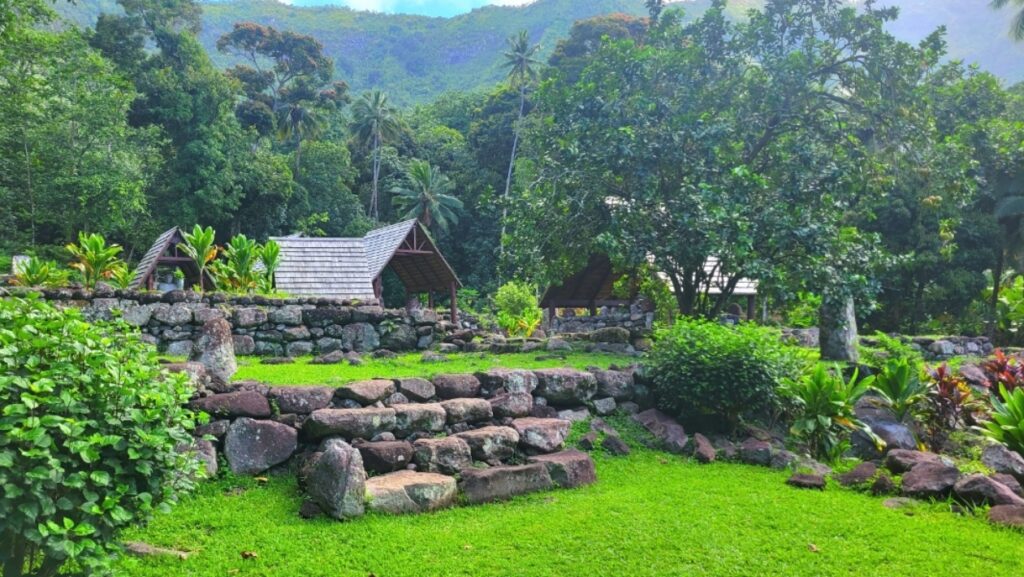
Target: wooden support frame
455,304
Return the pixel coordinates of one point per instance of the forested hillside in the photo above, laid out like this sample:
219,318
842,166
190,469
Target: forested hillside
416,58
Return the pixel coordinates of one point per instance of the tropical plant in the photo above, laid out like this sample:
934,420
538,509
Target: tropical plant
1009,215
122,276
825,410
1017,26
93,258
89,439
36,272
709,374
199,246
521,62
887,348
297,121
426,196
518,311
899,383
949,401
238,271
803,313
270,257
1006,422
1003,372
374,122
1009,304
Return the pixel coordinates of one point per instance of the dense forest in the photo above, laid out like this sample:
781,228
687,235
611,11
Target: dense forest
415,59
804,145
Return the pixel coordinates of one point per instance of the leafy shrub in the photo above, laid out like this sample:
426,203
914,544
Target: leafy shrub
121,276
1006,423
40,273
948,401
94,260
803,313
518,311
899,384
891,348
270,256
825,410
88,431
1003,371
708,373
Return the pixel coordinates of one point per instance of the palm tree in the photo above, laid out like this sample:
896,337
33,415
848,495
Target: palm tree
297,121
375,121
522,71
1017,27
426,197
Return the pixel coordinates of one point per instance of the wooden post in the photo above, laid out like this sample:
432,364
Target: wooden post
430,300
552,313
455,305
751,308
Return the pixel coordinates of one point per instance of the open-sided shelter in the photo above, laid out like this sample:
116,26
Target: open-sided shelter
165,254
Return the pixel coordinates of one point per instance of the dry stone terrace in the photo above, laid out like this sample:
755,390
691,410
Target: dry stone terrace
410,445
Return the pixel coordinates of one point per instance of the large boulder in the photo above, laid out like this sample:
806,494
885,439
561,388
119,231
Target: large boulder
615,384
900,461
930,480
502,483
568,469
513,381
610,335
1007,515
893,433
419,390
456,386
491,444
360,337
806,481
253,446
447,455
385,456
566,387
703,450
215,349
300,400
1002,460
756,452
236,404
410,492
541,435
413,418
335,480
982,490
467,410
511,404
349,423
367,392
665,429
1011,483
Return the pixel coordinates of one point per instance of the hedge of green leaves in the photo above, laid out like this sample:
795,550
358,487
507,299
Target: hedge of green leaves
89,426
711,374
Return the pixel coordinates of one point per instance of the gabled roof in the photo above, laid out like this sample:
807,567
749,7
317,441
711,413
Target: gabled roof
347,267
168,241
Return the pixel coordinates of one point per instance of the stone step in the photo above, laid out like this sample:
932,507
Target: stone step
541,435
491,444
568,469
408,492
349,423
385,456
503,483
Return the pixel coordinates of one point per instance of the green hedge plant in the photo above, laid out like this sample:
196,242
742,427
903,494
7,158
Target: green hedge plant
518,312
711,374
89,427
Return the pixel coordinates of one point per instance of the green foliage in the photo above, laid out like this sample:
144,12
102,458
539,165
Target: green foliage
825,410
1006,424
270,256
803,313
948,401
94,260
889,348
237,272
89,433
518,311
426,196
1009,312
36,272
707,373
199,246
121,276
900,385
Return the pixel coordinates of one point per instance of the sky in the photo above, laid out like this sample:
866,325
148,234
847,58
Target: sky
424,7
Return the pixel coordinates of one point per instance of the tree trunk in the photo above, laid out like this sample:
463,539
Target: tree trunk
837,328
374,211
31,192
997,283
512,164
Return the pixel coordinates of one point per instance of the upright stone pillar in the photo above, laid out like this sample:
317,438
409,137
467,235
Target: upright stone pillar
838,324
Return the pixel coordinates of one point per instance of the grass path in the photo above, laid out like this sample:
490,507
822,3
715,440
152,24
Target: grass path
649,515
409,365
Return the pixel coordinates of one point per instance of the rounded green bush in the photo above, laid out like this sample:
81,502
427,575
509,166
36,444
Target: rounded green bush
710,374
89,430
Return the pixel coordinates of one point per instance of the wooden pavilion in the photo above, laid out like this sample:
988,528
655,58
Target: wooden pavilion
165,253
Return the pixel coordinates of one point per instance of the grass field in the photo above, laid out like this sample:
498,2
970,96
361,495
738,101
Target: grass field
650,514
409,365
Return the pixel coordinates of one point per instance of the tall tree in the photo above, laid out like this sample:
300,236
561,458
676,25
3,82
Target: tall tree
1017,26
297,121
425,196
374,122
522,64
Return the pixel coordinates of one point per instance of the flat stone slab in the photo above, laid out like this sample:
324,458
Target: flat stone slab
513,381
467,410
406,492
568,469
566,387
413,417
456,386
447,455
859,475
419,390
899,461
930,480
301,400
253,446
367,392
511,404
806,481
236,404
491,444
541,435
349,423
503,483
385,456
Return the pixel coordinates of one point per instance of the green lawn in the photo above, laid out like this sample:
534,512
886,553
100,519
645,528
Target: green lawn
649,515
409,365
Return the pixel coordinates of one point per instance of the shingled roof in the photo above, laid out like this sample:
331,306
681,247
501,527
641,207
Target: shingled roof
347,267
165,252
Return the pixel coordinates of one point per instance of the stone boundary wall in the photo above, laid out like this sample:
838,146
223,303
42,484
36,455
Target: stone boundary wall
260,325
932,348
635,321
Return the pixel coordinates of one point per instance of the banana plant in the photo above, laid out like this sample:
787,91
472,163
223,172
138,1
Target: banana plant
40,273
199,246
93,258
1006,424
270,256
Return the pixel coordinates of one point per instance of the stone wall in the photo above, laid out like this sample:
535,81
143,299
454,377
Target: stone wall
260,325
635,320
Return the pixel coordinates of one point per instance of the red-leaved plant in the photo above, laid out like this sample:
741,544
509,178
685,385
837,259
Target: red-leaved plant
1004,370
